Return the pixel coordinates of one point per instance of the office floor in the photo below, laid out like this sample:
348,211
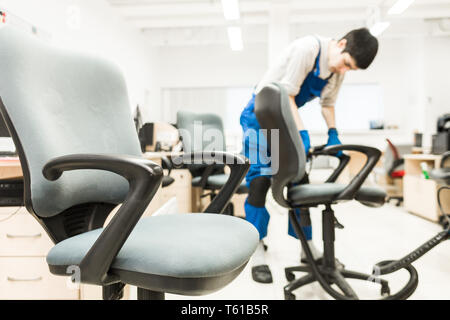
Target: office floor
370,235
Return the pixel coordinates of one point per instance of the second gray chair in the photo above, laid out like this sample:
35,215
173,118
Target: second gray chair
204,132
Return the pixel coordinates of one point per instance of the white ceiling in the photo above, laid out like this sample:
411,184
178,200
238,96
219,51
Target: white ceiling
201,22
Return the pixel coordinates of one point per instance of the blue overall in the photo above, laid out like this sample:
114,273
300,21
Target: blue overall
255,148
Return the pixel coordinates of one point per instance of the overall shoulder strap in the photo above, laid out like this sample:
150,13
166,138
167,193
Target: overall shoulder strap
316,67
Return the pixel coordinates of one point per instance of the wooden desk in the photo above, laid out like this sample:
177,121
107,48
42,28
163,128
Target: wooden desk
10,168
420,194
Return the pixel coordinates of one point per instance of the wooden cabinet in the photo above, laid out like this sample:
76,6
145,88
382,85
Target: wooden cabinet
29,278
24,273
181,189
420,194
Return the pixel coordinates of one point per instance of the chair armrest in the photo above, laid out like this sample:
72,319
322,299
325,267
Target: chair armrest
238,164
144,178
445,156
372,154
343,161
166,164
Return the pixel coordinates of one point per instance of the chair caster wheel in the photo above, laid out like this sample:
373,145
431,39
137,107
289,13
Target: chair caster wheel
288,296
385,290
290,276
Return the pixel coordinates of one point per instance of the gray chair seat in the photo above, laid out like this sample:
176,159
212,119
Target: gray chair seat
441,174
313,194
171,253
217,181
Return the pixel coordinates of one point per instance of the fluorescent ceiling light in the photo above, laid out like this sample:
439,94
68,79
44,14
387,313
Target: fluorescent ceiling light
231,9
235,37
379,27
400,6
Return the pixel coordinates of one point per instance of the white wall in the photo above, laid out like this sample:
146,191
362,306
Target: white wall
436,82
206,66
100,30
411,70
399,68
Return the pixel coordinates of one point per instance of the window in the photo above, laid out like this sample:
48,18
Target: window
357,105
227,103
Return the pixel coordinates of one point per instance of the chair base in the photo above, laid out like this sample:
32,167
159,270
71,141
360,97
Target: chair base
329,273
332,276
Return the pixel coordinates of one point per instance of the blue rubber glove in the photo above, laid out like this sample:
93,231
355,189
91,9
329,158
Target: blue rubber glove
306,142
333,139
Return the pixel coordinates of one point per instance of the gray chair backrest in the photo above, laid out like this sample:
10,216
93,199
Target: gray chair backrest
273,112
56,103
201,131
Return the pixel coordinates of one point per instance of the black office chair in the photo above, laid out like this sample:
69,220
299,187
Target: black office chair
210,178
69,117
273,113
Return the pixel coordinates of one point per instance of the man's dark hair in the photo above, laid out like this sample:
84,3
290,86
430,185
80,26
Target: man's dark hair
362,46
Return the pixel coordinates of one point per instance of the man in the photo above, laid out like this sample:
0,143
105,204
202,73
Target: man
309,67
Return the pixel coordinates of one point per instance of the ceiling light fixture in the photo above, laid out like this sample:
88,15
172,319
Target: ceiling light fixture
379,27
231,9
400,6
235,37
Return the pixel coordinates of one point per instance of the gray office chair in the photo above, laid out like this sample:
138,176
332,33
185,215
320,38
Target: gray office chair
208,136
273,113
69,118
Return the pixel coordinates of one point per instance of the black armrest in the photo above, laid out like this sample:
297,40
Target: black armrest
166,164
343,161
238,164
445,156
144,178
372,154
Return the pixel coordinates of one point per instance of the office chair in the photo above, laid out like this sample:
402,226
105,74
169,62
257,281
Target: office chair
273,113
394,165
69,118
209,178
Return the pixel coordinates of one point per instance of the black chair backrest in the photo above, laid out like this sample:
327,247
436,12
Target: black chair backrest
273,112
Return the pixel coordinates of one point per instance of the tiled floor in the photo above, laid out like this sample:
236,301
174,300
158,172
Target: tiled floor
370,235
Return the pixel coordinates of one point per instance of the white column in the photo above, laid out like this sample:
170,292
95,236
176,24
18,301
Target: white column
278,31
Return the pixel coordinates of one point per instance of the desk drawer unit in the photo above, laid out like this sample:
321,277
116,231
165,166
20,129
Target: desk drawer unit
22,235
420,197
29,278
